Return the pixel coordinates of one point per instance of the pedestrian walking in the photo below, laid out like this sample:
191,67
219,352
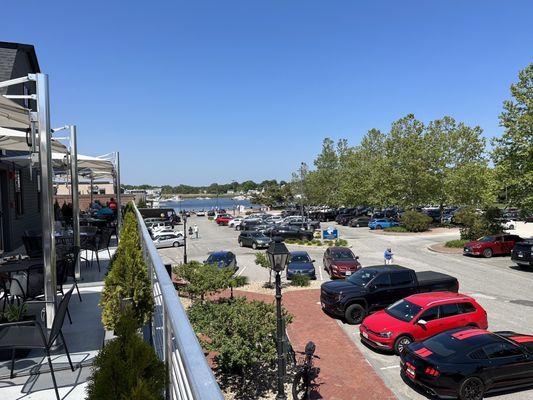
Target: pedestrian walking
196,230
190,231
388,256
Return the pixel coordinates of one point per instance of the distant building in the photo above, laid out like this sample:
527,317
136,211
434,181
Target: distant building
19,190
154,192
99,187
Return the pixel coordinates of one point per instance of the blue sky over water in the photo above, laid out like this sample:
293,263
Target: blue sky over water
215,91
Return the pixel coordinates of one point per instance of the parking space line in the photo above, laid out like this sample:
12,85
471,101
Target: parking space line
320,272
390,367
241,271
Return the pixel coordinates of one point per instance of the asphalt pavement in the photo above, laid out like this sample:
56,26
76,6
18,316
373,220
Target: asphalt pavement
503,289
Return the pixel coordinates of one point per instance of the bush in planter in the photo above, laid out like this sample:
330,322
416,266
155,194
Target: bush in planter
415,221
456,244
474,225
127,367
203,279
300,280
127,281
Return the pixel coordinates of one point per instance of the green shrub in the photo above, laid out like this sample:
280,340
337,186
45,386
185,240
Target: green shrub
341,242
203,279
242,333
474,225
127,282
415,221
396,229
300,280
127,367
456,244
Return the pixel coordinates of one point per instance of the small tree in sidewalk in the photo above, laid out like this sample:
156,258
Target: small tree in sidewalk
205,279
262,260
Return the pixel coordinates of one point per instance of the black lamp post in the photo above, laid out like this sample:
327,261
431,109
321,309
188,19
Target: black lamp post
278,255
184,238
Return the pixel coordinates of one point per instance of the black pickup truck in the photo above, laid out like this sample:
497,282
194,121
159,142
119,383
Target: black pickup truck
522,253
374,288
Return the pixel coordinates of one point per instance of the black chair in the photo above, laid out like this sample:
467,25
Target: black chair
33,243
31,335
95,244
66,268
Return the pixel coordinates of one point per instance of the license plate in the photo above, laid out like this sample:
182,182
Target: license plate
365,335
410,372
521,255
348,273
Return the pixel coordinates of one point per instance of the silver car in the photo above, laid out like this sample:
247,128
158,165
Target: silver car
169,240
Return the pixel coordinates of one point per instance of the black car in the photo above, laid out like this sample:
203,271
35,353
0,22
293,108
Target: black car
254,239
469,362
222,259
522,253
359,222
300,264
292,232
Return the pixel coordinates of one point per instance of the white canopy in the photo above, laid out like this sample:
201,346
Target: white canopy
12,115
11,139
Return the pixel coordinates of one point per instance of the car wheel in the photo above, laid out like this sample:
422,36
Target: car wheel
254,246
511,227
401,343
379,227
175,244
471,389
487,253
357,225
355,314
240,243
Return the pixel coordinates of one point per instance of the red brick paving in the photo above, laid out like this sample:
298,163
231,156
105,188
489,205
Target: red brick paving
344,372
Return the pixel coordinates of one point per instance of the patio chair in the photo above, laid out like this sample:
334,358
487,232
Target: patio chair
31,335
67,269
96,244
33,243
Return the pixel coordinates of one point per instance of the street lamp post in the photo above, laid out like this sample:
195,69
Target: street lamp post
278,256
184,238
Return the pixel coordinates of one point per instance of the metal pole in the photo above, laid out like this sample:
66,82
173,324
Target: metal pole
119,200
184,239
47,197
75,195
279,342
91,194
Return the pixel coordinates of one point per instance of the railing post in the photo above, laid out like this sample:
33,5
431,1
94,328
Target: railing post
75,197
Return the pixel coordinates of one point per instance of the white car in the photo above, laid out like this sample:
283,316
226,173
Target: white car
235,222
168,231
169,240
200,213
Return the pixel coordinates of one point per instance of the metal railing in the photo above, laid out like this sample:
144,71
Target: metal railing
189,375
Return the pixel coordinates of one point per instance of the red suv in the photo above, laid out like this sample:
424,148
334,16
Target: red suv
340,262
223,219
487,246
418,317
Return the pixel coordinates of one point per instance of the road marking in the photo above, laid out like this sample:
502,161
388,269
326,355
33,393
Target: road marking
390,367
482,296
320,273
241,271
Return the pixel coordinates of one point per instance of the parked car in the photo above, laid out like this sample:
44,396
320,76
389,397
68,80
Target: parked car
487,246
234,222
469,362
211,213
291,232
223,219
418,317
222,259
300,264
382,223
169,240
248,223
345,214
253,239
529,219
340,262
165,231
359,222
374,288
200,213
509,225
522,253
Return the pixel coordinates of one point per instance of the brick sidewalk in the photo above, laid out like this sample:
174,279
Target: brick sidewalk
344,372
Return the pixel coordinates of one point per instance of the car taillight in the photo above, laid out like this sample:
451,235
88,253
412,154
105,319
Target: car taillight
432,372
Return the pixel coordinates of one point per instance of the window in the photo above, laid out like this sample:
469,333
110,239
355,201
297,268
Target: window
448,310
465,308
401,278
382,281
502,349
431,314
19,206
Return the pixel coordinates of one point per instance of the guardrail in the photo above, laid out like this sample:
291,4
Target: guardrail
189,375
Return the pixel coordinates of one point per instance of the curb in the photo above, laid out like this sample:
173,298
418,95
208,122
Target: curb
449,250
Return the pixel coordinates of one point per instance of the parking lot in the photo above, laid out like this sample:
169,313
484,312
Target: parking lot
505,291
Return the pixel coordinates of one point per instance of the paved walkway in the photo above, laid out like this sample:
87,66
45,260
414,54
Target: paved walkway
344,372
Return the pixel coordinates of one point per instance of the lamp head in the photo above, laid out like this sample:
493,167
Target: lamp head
278,255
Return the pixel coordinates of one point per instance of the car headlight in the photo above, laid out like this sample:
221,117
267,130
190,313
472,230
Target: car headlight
386,335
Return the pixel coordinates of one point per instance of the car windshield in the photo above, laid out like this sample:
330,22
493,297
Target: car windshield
342,255
403,310
258,235
486,239
216,258
362,277
300,258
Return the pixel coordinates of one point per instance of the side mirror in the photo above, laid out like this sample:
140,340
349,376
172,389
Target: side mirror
357,257
422,322
313,261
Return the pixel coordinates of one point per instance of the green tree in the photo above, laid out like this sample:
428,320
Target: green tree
261,259
204,279
513,151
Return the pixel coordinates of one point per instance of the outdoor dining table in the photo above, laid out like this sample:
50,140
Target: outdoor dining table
28,272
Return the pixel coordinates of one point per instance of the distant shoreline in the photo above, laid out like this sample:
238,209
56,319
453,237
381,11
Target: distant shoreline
196,195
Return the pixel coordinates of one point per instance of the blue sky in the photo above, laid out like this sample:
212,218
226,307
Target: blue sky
213,91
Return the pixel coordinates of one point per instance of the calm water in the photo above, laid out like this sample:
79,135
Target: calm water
208,204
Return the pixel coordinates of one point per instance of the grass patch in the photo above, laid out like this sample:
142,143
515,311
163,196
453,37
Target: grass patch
341,242
456,244
396,229
300,280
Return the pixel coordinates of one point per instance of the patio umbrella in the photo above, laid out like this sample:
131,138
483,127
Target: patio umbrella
11,139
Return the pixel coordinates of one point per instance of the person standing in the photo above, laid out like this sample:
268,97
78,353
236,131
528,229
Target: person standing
388,256
196,230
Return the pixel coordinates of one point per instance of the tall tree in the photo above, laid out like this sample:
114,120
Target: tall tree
513,151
